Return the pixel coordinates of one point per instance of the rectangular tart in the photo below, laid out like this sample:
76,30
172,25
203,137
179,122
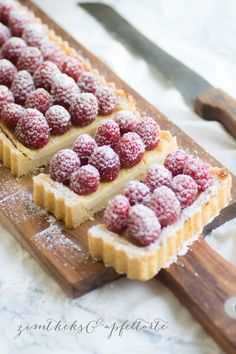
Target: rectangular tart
21,160
73,209
143,263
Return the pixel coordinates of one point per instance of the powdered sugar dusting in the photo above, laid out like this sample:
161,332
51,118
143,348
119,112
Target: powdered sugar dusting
63,164
127,121
83,109
183,250
116,213
149,132
7,72
33,35
157,176
20,207
84,147
45,75
106,161
30,58
88,82
53,240
143,226
186,190
176,161
137,192
106,99
58,119
64,90
165,205
6,96
22,86
130,149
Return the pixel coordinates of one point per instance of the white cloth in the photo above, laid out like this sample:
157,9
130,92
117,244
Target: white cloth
202,35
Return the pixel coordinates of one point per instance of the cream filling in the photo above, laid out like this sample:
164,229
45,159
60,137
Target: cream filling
55,142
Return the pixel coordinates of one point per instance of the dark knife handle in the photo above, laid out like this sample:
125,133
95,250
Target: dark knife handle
215,104
204,281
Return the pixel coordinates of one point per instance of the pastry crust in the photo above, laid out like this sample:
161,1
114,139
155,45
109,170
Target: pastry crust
21,160
143,263
74,209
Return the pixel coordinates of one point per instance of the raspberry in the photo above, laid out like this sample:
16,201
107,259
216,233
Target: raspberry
39,99
45,75
106,161
30,58
63,164
85,180
165,205
158,176
106,100
176,161
22,86
33,35
143,225
137,192
126,120
52,52
5,8
5,96
11,113
116,214
58,119
32,129
149,132
17,22
5,33
64,90
84,147
130,149
72,67
83,109
108,133
7,72
200,172
88,82
11,49
186,190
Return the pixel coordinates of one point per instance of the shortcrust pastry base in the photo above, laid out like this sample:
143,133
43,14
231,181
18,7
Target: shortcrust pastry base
73,209
143,263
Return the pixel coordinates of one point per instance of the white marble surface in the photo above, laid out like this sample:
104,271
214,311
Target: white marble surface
201,34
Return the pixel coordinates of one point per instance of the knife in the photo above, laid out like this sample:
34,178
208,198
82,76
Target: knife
225,215
209,102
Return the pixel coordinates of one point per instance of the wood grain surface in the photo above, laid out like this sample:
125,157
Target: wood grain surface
63,253
217,104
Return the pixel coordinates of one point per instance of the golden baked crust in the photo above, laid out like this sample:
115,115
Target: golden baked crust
143,263
21,160
74,209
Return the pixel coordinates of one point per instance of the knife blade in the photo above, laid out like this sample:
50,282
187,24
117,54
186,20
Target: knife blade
209,103
226,214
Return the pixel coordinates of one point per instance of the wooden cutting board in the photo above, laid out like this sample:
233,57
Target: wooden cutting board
202,280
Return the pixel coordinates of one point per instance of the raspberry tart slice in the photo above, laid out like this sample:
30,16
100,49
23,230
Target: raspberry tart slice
107,163
55,80
142,235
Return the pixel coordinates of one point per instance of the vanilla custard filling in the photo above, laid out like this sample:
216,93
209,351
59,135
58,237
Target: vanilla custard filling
55,143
